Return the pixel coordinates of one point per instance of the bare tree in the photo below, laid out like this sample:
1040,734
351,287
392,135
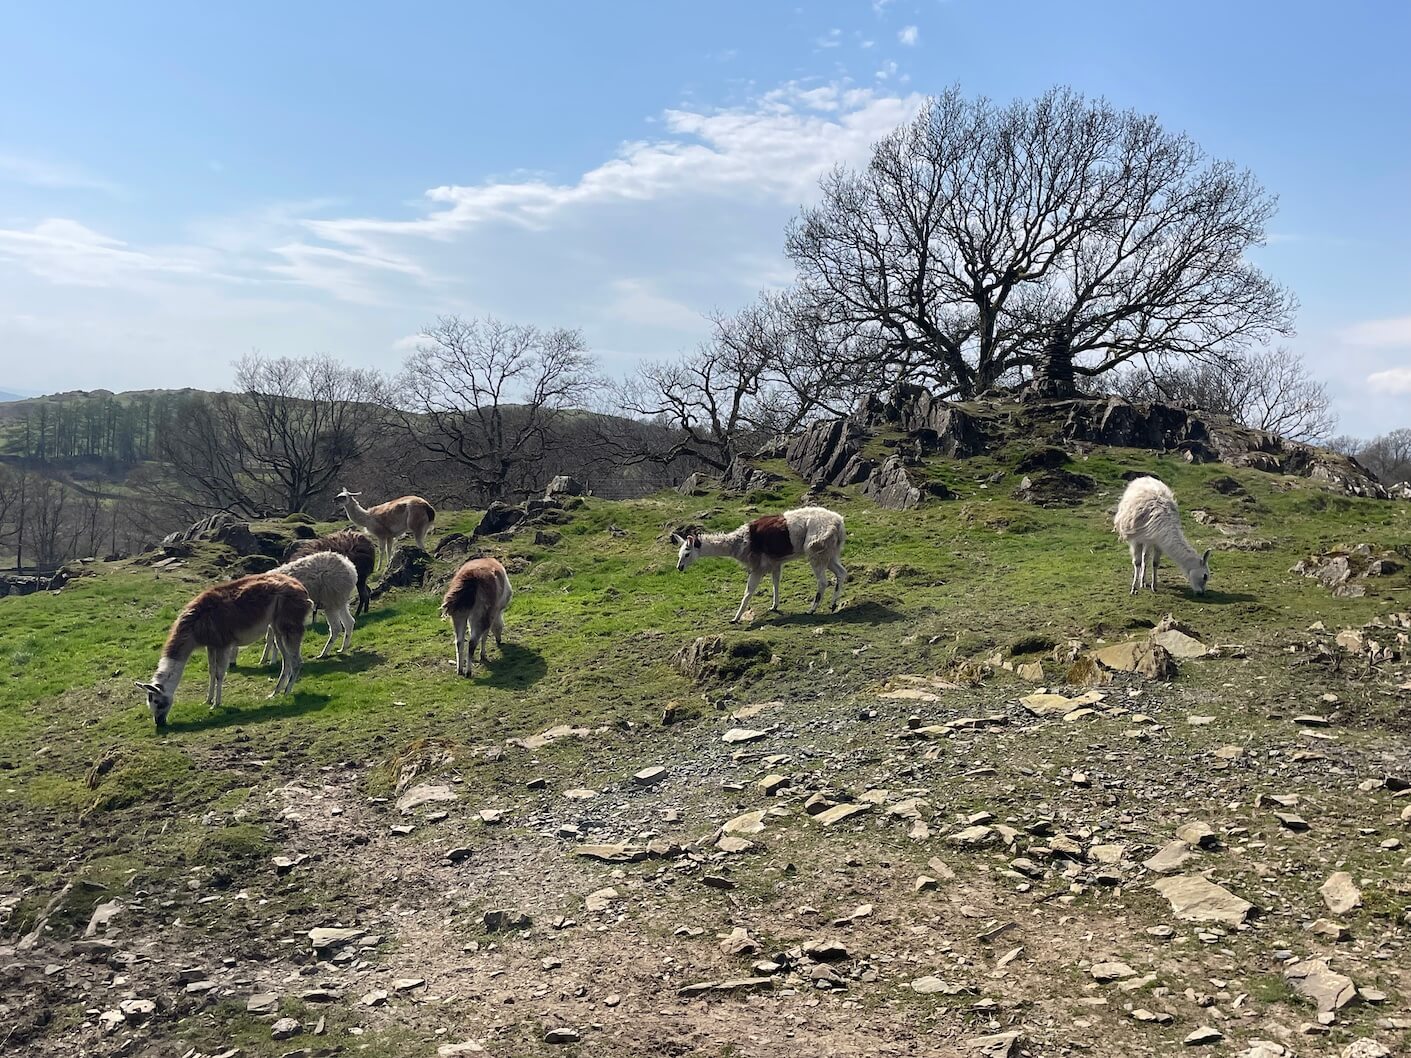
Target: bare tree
1387,456
766,370
493,397
1266,390
279,443
1056,238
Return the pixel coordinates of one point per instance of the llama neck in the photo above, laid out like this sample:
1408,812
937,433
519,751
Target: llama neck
356,512
1178,549
725,545
170,668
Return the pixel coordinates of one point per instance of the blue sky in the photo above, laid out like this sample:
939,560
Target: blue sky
181,184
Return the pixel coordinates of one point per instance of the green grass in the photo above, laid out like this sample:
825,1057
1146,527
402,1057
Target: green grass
595,621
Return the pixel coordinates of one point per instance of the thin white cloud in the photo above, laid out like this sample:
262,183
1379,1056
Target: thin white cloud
37,172
832,39
66,251
1394,380
773,149
1390,333
909,36
638,301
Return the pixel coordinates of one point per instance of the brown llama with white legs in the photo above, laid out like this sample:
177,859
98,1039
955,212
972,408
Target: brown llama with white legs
388,522
223,619
475,602
765,544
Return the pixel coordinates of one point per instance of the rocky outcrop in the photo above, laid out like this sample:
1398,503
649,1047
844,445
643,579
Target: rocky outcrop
743,477
408,569
829,452
1055,488
891,486
939,426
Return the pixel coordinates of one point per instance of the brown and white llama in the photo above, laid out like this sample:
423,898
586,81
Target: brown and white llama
475,602
223,619
388,522
331,581
765,544
352,545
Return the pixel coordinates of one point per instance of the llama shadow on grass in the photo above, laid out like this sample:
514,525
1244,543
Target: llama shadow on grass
863,613
354,659
252,711
512,667
1221,598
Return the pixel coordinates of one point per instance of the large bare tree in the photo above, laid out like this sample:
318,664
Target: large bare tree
1050,239
493,397
279,443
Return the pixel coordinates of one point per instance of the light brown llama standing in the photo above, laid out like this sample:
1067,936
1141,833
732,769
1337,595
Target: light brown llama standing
223,619
475,602
387,522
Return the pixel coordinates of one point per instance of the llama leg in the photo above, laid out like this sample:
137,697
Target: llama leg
458,622
211,676
483,638
289,650
820,574
751,586
841,576
219,662
347,617
1155,557
774,574
268,652
500,630
1136,566
332,631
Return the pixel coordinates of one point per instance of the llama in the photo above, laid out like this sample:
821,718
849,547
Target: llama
223,619
355,547
1149,521
765,544
386,522
331,580
477,597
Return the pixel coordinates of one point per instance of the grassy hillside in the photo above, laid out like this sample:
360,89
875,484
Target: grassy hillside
182,827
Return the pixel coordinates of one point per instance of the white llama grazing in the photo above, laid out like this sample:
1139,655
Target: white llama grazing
477,597
386,522
332,582
223,619
1149,521
765,544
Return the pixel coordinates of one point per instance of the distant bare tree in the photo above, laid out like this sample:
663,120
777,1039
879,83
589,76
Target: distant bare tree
1268,390
766,370
279,443
494,398
1387,456
1054,239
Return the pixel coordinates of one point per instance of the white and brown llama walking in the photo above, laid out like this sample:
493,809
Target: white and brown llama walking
223,619
475,602
388,522
765,544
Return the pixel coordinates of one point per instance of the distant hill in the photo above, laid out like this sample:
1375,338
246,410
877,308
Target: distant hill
6,396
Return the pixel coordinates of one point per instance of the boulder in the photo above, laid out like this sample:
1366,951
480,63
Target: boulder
890,486
937,425
1197,899
498,517
408,569
1147,659
565,485
1054,488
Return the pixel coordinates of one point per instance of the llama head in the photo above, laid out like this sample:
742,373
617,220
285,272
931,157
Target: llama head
690,549
1200,576
159,700
344,495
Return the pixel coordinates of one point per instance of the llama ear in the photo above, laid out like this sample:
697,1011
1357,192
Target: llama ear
1206,557
144,686
676,539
